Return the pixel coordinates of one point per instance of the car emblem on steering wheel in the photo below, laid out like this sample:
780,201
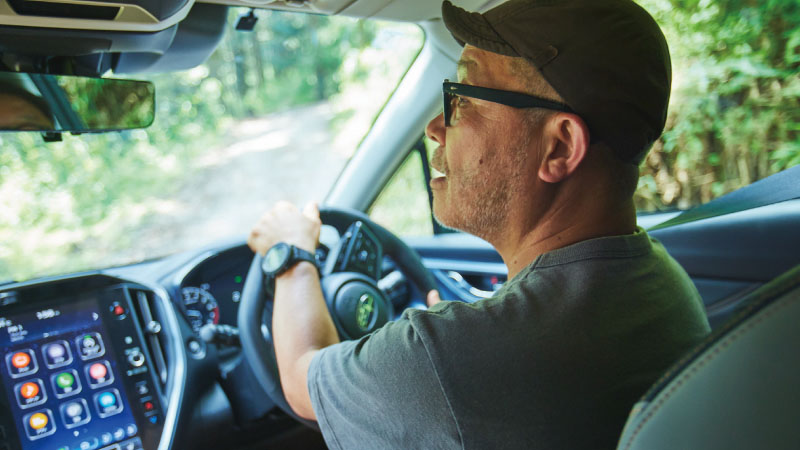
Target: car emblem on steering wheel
365,312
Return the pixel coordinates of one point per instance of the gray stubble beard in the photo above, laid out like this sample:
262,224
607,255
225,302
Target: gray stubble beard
487,215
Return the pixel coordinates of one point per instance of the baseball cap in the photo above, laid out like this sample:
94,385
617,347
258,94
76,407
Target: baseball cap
608,59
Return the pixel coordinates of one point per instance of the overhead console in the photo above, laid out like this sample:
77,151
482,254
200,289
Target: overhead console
111,15
78,37
86,370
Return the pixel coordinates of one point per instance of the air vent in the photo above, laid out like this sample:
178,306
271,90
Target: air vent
148,316
63,10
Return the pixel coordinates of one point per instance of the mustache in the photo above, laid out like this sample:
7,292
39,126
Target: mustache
438,161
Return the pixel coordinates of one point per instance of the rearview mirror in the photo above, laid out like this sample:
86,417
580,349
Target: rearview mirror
53,103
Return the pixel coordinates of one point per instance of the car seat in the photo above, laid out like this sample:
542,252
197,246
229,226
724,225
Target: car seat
739,389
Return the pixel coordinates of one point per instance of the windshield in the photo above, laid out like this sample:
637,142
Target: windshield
273,114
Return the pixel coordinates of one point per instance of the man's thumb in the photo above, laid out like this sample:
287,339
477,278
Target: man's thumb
311,210
433,298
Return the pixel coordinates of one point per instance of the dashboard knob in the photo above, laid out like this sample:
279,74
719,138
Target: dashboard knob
136,358
153,327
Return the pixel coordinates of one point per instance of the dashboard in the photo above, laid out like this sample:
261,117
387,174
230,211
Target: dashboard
113,360
75,374
118,359
210,292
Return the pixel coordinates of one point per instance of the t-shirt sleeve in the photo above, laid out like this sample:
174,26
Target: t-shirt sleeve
381,391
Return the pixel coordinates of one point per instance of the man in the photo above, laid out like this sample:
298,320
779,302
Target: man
594,309
21,110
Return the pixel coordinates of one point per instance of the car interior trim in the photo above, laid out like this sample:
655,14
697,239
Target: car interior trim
129,18
176,365
398,124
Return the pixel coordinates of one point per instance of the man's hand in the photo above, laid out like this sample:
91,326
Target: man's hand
285,223
433,298
301,323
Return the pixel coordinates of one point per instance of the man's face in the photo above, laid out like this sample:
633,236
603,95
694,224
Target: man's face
484,153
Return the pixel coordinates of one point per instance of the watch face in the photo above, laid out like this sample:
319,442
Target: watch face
275,258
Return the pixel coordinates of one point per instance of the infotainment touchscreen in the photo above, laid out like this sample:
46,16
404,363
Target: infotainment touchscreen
62,379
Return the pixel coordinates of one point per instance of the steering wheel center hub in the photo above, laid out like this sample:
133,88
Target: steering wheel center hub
360,308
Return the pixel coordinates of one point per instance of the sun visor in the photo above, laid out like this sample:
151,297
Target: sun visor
109,15
197,37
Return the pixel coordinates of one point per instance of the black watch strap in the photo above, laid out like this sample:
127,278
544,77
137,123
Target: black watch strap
290,256
297,255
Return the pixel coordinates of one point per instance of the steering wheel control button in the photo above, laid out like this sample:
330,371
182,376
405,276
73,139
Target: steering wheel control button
65,383
30,393
362,251
90,345
75,413
21,363
135,358
39,424
108,403
99,374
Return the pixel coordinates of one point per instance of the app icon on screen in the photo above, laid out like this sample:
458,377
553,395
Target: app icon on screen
21,363
90,345
65,383
75,413
108,403
99,374
30,393
56,354
39,424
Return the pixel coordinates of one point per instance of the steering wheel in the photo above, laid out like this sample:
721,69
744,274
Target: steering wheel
349,285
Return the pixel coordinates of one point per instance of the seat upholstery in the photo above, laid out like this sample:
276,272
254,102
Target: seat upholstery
739,389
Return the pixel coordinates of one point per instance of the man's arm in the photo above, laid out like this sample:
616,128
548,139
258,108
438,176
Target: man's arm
301,326
301,323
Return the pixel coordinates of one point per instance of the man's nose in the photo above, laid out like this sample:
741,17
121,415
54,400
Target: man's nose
436,130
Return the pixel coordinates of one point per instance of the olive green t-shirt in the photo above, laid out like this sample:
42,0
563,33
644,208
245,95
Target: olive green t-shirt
554,360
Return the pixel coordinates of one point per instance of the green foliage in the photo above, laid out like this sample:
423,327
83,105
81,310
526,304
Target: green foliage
735,108
78,204
107,104
403,205
289,59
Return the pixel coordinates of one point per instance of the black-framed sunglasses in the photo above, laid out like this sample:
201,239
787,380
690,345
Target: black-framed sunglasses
513,99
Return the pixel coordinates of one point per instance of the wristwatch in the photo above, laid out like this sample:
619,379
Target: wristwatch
282,257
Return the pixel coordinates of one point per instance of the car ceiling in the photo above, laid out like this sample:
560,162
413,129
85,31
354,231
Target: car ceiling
156,15
139,36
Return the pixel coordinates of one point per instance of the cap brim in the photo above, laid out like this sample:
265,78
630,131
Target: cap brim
472,28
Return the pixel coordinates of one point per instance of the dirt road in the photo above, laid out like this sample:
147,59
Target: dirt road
286,156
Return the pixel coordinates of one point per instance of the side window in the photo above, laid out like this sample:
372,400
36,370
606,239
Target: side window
403,205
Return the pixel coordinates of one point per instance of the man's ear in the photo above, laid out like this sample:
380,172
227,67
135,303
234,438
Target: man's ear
566,140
